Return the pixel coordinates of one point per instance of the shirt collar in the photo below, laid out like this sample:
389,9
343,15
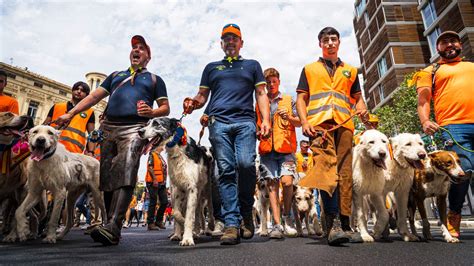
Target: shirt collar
232,59
278,97
329,62
132,71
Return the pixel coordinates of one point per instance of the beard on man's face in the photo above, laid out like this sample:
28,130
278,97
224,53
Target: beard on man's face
450,54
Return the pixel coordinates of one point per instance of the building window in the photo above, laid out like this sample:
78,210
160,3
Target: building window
429,14
39,85
63,93
381,95
33,109
97,83
382,66
432,36
360,7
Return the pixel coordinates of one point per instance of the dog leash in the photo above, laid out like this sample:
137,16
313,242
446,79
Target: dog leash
454,140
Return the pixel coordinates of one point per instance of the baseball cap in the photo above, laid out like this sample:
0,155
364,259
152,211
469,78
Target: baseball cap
139,39
231,28
447,33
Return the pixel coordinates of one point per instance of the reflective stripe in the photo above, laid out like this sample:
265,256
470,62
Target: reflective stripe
325,94
77,131
327,108
73,141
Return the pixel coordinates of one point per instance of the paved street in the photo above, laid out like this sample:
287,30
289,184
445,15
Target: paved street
139,246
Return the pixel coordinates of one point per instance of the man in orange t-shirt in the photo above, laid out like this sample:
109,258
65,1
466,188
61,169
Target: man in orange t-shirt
7,103
450,86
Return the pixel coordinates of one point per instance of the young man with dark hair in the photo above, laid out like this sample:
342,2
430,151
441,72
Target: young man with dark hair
132,93
327,90
232,82
7,103
449,84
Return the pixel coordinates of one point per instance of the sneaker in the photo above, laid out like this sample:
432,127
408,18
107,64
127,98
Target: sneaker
454,224
102,235
288,229
160,225
218,229
337,236
125,226
153,227
247,229
231,236
276,232
85,226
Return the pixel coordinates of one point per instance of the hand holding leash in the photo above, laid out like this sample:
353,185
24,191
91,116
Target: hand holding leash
188,105
63,121
430,127
144,109
308,130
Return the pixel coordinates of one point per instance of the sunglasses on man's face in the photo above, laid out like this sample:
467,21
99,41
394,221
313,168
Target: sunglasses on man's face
231,25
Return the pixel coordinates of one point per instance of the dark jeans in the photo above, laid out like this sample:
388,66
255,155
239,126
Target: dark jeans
464,135
330,204
81,204
160,194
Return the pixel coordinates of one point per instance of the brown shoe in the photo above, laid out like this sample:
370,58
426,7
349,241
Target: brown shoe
247,228
153,227
160,225
231,236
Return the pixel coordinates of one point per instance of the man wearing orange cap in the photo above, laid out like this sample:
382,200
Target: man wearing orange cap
449,83
131,95
231,83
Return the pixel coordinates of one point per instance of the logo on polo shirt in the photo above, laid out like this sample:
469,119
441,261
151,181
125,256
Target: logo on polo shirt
346,73
122,74
220,67
83,115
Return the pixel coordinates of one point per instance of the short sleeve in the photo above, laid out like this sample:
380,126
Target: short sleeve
303,83
423,79
205,78
107,83
258,75
355,86
160,89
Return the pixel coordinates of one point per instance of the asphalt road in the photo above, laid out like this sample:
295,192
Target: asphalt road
139,246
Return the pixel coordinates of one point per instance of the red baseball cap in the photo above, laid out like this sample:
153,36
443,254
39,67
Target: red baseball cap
139,39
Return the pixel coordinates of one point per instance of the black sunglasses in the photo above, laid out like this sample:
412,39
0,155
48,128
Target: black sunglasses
231,25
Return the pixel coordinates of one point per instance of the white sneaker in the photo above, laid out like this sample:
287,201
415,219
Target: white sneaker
218,229
289,230
276,232
85,226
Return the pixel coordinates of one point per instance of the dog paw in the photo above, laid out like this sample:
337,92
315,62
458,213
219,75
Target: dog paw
263,233
49,240
22,237
367,238
453,240
11,238
175,237
410,238
187,242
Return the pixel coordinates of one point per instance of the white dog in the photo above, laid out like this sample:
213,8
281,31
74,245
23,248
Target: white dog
304,205
369,164
189,170
63,173
408,153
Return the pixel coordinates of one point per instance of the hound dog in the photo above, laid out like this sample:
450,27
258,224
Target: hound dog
441,169
369,164
189,170
53,168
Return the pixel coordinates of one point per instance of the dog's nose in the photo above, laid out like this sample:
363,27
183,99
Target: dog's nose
382,154
461,174
421,155
40,141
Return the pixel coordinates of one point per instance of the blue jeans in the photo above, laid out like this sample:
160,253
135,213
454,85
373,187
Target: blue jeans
81,205
464,135
234,149
316,203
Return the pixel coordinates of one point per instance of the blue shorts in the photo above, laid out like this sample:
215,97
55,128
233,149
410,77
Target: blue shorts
279,164
145,205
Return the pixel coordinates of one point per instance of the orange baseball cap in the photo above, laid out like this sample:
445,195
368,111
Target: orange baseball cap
231,28
139,39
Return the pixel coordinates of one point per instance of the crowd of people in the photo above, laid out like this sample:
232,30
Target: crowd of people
328,97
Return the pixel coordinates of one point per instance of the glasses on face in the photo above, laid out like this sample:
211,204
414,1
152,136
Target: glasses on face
231,25
229,38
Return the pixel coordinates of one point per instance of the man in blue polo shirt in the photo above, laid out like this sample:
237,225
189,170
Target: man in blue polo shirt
131,95
232,82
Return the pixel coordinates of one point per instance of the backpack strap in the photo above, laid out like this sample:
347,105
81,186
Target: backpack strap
433,77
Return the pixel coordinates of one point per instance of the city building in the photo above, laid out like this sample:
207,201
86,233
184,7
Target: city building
36,94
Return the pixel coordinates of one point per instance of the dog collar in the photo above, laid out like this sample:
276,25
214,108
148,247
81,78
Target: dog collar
49,154
180,138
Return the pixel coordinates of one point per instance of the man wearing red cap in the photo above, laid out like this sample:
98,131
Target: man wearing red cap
449,83
131,95
231,83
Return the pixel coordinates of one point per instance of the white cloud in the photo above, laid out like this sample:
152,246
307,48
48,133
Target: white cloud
63,40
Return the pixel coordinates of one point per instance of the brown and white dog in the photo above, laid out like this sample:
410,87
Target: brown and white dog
441,169
262,199
304,208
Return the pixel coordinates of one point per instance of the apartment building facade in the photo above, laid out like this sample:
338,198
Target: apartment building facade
397,37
